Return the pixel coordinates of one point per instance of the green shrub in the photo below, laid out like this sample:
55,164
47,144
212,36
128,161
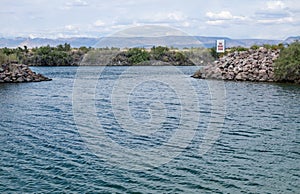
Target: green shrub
8,55
179,56
238,48
267,46
66,47
159,52
137,55
3,58
214,53
280,46
84,49
254,47
287,66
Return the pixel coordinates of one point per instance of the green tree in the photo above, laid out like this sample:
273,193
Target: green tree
180,57
8,52
214,53
280,46
287,65
25,49
84,49
19,54
44,50
137,55
159,52
66,47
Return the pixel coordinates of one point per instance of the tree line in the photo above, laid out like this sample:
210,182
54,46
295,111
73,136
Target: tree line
61,55
287,66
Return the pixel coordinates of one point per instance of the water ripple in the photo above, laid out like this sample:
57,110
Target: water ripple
42,150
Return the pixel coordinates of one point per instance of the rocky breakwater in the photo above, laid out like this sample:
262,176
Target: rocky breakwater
16,73
251,65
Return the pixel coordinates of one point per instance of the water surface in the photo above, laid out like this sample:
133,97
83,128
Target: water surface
43,151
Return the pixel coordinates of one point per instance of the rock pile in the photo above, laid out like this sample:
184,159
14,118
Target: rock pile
251,65
17,73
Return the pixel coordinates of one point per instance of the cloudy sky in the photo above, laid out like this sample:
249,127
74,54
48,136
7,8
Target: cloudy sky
96,18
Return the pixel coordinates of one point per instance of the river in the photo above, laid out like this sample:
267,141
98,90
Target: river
147,130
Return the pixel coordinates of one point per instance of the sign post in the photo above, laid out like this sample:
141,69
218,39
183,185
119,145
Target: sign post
220,46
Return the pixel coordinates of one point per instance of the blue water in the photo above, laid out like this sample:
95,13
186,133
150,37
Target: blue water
46,147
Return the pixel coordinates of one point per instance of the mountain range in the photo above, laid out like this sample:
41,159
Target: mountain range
122,42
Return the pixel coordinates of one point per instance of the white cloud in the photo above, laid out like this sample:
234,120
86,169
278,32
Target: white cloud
276,21
99,23
186,24
220,18
177,16
70,27
275,5
275,12
172,18
97,18
169,16
76,3
223,15
215,22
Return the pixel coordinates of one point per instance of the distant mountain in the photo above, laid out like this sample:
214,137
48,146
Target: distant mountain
37,42
291,39
211,41
121,42
11,42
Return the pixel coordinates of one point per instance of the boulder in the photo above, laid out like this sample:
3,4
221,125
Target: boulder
7,79
19,73
20,79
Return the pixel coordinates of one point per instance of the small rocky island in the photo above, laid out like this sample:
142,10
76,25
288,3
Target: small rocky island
17,73
251,65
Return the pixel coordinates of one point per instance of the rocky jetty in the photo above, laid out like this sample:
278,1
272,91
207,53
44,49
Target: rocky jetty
16,73
251,65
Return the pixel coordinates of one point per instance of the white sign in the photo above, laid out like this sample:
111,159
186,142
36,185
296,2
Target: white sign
220,46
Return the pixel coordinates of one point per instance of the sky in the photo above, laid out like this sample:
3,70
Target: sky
266,19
